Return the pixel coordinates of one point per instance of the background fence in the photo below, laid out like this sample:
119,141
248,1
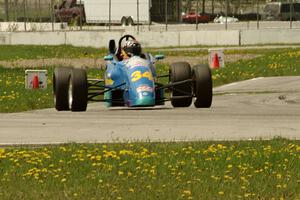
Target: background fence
164,15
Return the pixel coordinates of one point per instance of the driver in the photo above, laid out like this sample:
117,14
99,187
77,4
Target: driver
131,48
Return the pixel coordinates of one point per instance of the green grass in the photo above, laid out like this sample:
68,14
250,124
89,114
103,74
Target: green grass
14,98
282,62
11,52
191,170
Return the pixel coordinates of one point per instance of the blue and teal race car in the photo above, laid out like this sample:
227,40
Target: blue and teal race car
133,82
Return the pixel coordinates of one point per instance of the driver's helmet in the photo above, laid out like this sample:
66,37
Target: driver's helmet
132,48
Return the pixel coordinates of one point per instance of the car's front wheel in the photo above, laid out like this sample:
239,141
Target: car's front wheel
61,78
78,90
181,92
202,86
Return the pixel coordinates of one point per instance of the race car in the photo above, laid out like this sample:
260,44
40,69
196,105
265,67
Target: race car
133,82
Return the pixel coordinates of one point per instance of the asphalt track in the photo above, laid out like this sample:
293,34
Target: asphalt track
253,109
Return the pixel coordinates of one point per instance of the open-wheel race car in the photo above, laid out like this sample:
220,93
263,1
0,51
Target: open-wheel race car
133,82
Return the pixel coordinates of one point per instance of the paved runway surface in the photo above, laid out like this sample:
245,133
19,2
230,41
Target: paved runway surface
258,108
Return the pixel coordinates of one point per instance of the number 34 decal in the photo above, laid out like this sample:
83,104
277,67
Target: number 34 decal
137,75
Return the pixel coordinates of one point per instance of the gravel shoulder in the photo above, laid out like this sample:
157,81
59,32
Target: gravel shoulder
99,62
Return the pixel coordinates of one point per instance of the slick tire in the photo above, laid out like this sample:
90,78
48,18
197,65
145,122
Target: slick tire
61,78
78,90
202,86
181,94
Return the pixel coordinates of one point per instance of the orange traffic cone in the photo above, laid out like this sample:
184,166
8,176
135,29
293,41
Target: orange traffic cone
216,63
35,82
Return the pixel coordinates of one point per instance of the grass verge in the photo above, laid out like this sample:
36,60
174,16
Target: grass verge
12,52
273,63
191,170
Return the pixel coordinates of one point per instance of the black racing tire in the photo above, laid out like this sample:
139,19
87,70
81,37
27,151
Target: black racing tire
78,90
61,78
130,21
181,71
124,21
202,86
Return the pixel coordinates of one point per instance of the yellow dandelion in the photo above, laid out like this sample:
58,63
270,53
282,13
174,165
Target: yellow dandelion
247,195
187,192
279,176
98,158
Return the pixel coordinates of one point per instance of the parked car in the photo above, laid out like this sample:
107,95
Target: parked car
191,17
222,19
69,10
281,11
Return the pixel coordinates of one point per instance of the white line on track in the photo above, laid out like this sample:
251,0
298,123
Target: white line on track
240,82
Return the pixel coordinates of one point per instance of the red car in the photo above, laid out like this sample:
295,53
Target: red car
191,17
69,10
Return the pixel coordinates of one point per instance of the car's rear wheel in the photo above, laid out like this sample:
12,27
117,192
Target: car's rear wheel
181,94
78,90
202,86
61,78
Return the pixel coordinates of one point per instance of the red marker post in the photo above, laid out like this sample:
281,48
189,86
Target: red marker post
35,82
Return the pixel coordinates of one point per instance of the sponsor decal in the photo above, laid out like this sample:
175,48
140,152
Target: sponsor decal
144,88
136,62
109,81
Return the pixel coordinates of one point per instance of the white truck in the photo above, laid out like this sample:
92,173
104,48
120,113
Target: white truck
124,12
